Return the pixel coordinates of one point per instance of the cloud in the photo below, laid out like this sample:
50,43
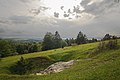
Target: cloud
61,7
20,19
98,18
98,6
66,15
106,22
37,11
2,30
56,14
77,9
25,1
3,21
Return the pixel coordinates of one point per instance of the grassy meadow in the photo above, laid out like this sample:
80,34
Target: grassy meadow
104,65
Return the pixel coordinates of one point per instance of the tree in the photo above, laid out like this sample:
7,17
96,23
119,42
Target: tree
63,43
22,48
48,41
81,38
107,37
114,37
51,41
35,48
68,42
57,40
94,40
7,48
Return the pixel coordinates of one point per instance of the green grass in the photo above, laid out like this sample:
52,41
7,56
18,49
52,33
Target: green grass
103,66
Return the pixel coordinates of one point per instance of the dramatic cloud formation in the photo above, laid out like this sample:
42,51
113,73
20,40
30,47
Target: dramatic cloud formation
33,18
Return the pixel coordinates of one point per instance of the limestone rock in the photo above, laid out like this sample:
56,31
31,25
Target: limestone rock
57,67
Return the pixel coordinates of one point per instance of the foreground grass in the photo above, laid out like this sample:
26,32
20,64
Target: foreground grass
103,66
67,53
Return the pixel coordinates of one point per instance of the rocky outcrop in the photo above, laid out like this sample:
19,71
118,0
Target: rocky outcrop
57,67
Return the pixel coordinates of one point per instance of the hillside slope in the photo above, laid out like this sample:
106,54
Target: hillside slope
102,66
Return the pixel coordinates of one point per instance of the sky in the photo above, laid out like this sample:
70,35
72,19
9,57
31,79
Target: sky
33,18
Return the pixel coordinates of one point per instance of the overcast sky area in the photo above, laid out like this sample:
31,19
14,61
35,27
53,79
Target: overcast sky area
33,18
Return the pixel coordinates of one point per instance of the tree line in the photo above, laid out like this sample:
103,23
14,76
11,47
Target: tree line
54,41
50,41
11,48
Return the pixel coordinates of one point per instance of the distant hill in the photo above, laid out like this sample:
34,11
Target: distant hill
25,40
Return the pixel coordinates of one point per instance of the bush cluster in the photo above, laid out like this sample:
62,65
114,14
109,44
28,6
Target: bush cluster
112,44
103,46
21,67
32,65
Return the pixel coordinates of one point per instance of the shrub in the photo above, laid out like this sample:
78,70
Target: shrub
30,66
112,44
101,46
104,45
21,67
40,63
